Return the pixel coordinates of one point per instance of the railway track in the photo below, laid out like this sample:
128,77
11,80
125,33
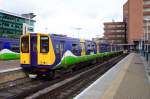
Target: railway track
60,88
73,87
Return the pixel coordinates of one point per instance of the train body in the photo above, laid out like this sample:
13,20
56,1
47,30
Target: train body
44,53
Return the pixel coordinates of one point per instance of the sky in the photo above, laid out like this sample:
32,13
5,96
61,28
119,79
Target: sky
75,18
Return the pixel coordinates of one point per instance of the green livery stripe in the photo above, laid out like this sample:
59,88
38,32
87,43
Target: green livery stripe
9,56
67,61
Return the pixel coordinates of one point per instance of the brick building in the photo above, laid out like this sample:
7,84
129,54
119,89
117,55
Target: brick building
136,13
114,32
136,21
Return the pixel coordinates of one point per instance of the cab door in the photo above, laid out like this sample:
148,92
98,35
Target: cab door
25,49
33,50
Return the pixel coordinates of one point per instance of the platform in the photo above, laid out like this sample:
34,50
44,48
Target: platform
10,70
129,79
9,65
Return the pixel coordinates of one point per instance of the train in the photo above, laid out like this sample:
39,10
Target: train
46,54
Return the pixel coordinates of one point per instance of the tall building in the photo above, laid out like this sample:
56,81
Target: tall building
11,24
136,25
136,13
11,27
114,32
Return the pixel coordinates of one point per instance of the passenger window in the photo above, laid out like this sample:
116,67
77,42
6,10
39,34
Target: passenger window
44,44
88,47
74,48
25,44
93,47
57,48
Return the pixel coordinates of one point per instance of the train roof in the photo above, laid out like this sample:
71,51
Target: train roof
58,36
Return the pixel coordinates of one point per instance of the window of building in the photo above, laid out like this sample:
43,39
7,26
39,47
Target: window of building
110,26
110,30
1,14
0,17
6,24
31,22
44,44
12,25
118,30
30,29
146,2
17,26
18,19
118,35
111,36
0,24
146,9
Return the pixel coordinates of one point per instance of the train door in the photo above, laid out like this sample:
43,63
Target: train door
25,49
33,50
83,51
62,43
97,47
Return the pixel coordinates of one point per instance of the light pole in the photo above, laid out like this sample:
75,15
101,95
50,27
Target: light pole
146,37
112,41
79,29
46,30
97,40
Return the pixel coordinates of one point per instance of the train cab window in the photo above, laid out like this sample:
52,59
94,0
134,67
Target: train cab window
25,44
44,44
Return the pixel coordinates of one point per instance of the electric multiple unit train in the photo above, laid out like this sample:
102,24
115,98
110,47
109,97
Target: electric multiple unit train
42,54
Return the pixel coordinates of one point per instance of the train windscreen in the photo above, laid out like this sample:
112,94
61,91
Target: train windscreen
44,44
25,44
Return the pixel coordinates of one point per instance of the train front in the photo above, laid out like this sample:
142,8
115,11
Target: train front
36,54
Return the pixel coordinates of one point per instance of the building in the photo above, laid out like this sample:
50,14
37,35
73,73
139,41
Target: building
11,25
136,21
114,32
136,13
133,16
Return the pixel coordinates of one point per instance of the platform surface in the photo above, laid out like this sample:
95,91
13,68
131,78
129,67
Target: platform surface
126,80
9,65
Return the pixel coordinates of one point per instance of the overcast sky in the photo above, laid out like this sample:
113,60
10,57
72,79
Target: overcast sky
66,16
